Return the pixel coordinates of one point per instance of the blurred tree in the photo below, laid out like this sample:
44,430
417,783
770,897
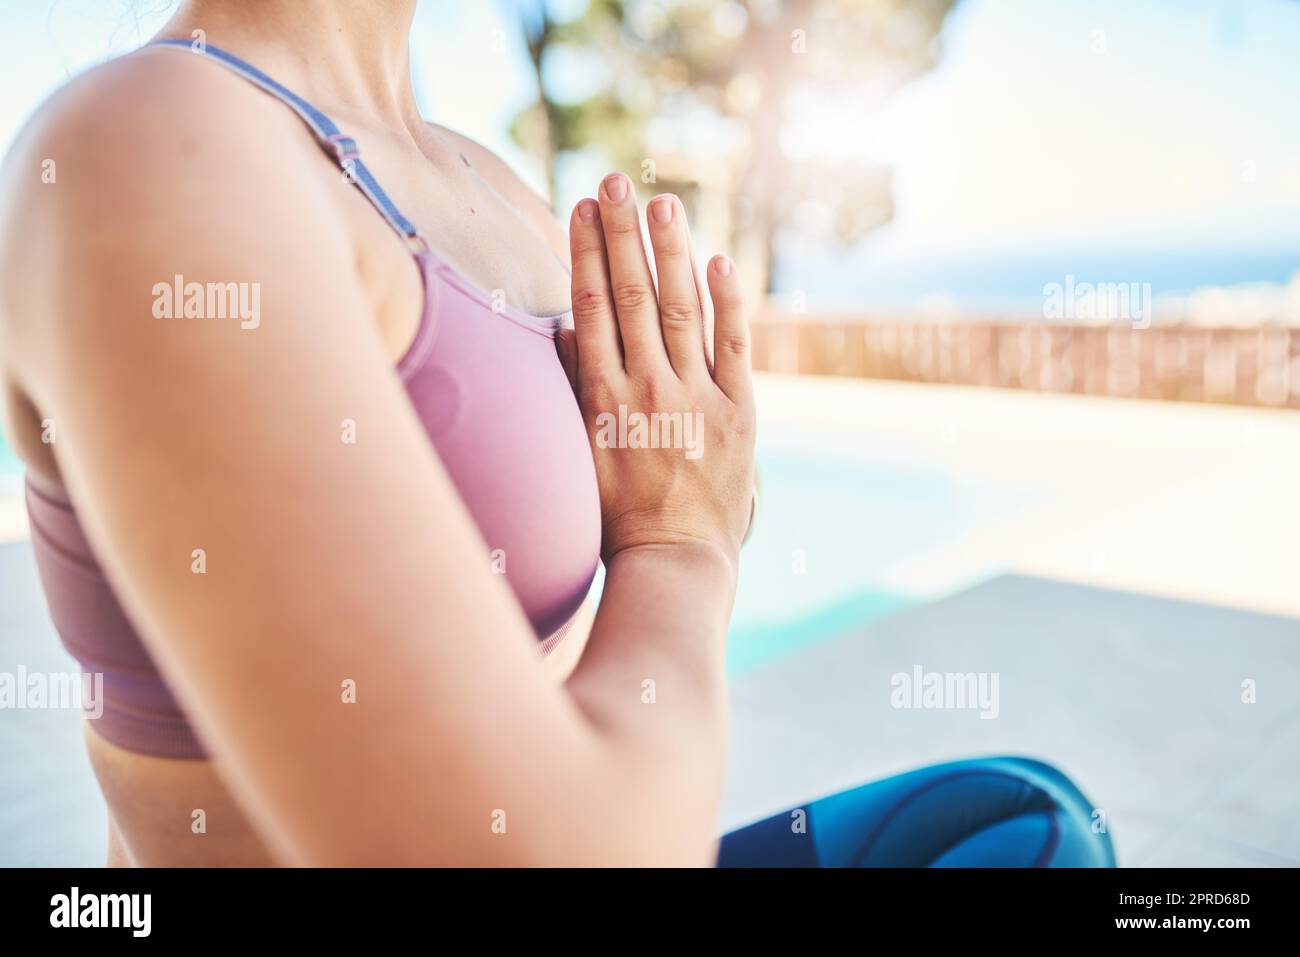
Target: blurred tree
718,102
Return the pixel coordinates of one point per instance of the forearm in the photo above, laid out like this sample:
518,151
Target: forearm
652,678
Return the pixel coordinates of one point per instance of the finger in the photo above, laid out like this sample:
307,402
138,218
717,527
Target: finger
566,347
635,302
594,324
731,365
706,311
680,314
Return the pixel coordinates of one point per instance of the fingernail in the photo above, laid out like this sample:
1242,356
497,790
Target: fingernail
723,265
662,209
616,186
587,211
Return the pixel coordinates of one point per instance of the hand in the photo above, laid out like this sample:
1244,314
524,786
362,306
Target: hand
671,432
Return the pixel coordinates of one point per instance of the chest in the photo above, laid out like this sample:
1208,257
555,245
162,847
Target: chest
483,375
490,391
499,248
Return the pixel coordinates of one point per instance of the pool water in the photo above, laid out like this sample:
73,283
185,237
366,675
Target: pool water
9,463
754,643
832,532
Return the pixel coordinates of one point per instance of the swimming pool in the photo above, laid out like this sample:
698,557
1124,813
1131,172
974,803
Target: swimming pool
833,530
9,463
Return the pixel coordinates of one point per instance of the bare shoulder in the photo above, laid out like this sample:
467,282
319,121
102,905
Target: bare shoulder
140,114
151,159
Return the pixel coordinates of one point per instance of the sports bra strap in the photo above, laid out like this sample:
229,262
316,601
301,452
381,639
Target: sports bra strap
336,143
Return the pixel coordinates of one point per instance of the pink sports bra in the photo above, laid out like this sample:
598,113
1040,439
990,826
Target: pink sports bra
488,386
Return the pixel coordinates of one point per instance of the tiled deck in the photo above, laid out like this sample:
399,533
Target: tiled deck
1139,699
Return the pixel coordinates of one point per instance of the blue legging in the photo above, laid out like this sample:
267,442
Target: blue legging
987,812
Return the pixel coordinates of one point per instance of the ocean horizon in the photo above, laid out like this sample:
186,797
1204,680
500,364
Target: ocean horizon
982,281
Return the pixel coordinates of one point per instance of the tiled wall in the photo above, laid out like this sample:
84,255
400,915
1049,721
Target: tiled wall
1258,366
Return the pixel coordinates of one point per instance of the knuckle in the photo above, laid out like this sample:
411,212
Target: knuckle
741,424
653,393
599,390
668,246
589,305
677,312
585,242
631,295
732,301
734,344
622,227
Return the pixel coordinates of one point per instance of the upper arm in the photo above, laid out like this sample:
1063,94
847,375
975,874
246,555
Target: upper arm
324,561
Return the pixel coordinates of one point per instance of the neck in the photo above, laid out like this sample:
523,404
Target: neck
353,56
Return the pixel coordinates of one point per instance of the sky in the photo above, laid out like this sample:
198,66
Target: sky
1173,118
1150,141
1144,139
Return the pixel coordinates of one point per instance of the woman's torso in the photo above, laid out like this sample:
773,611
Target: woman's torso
465,377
